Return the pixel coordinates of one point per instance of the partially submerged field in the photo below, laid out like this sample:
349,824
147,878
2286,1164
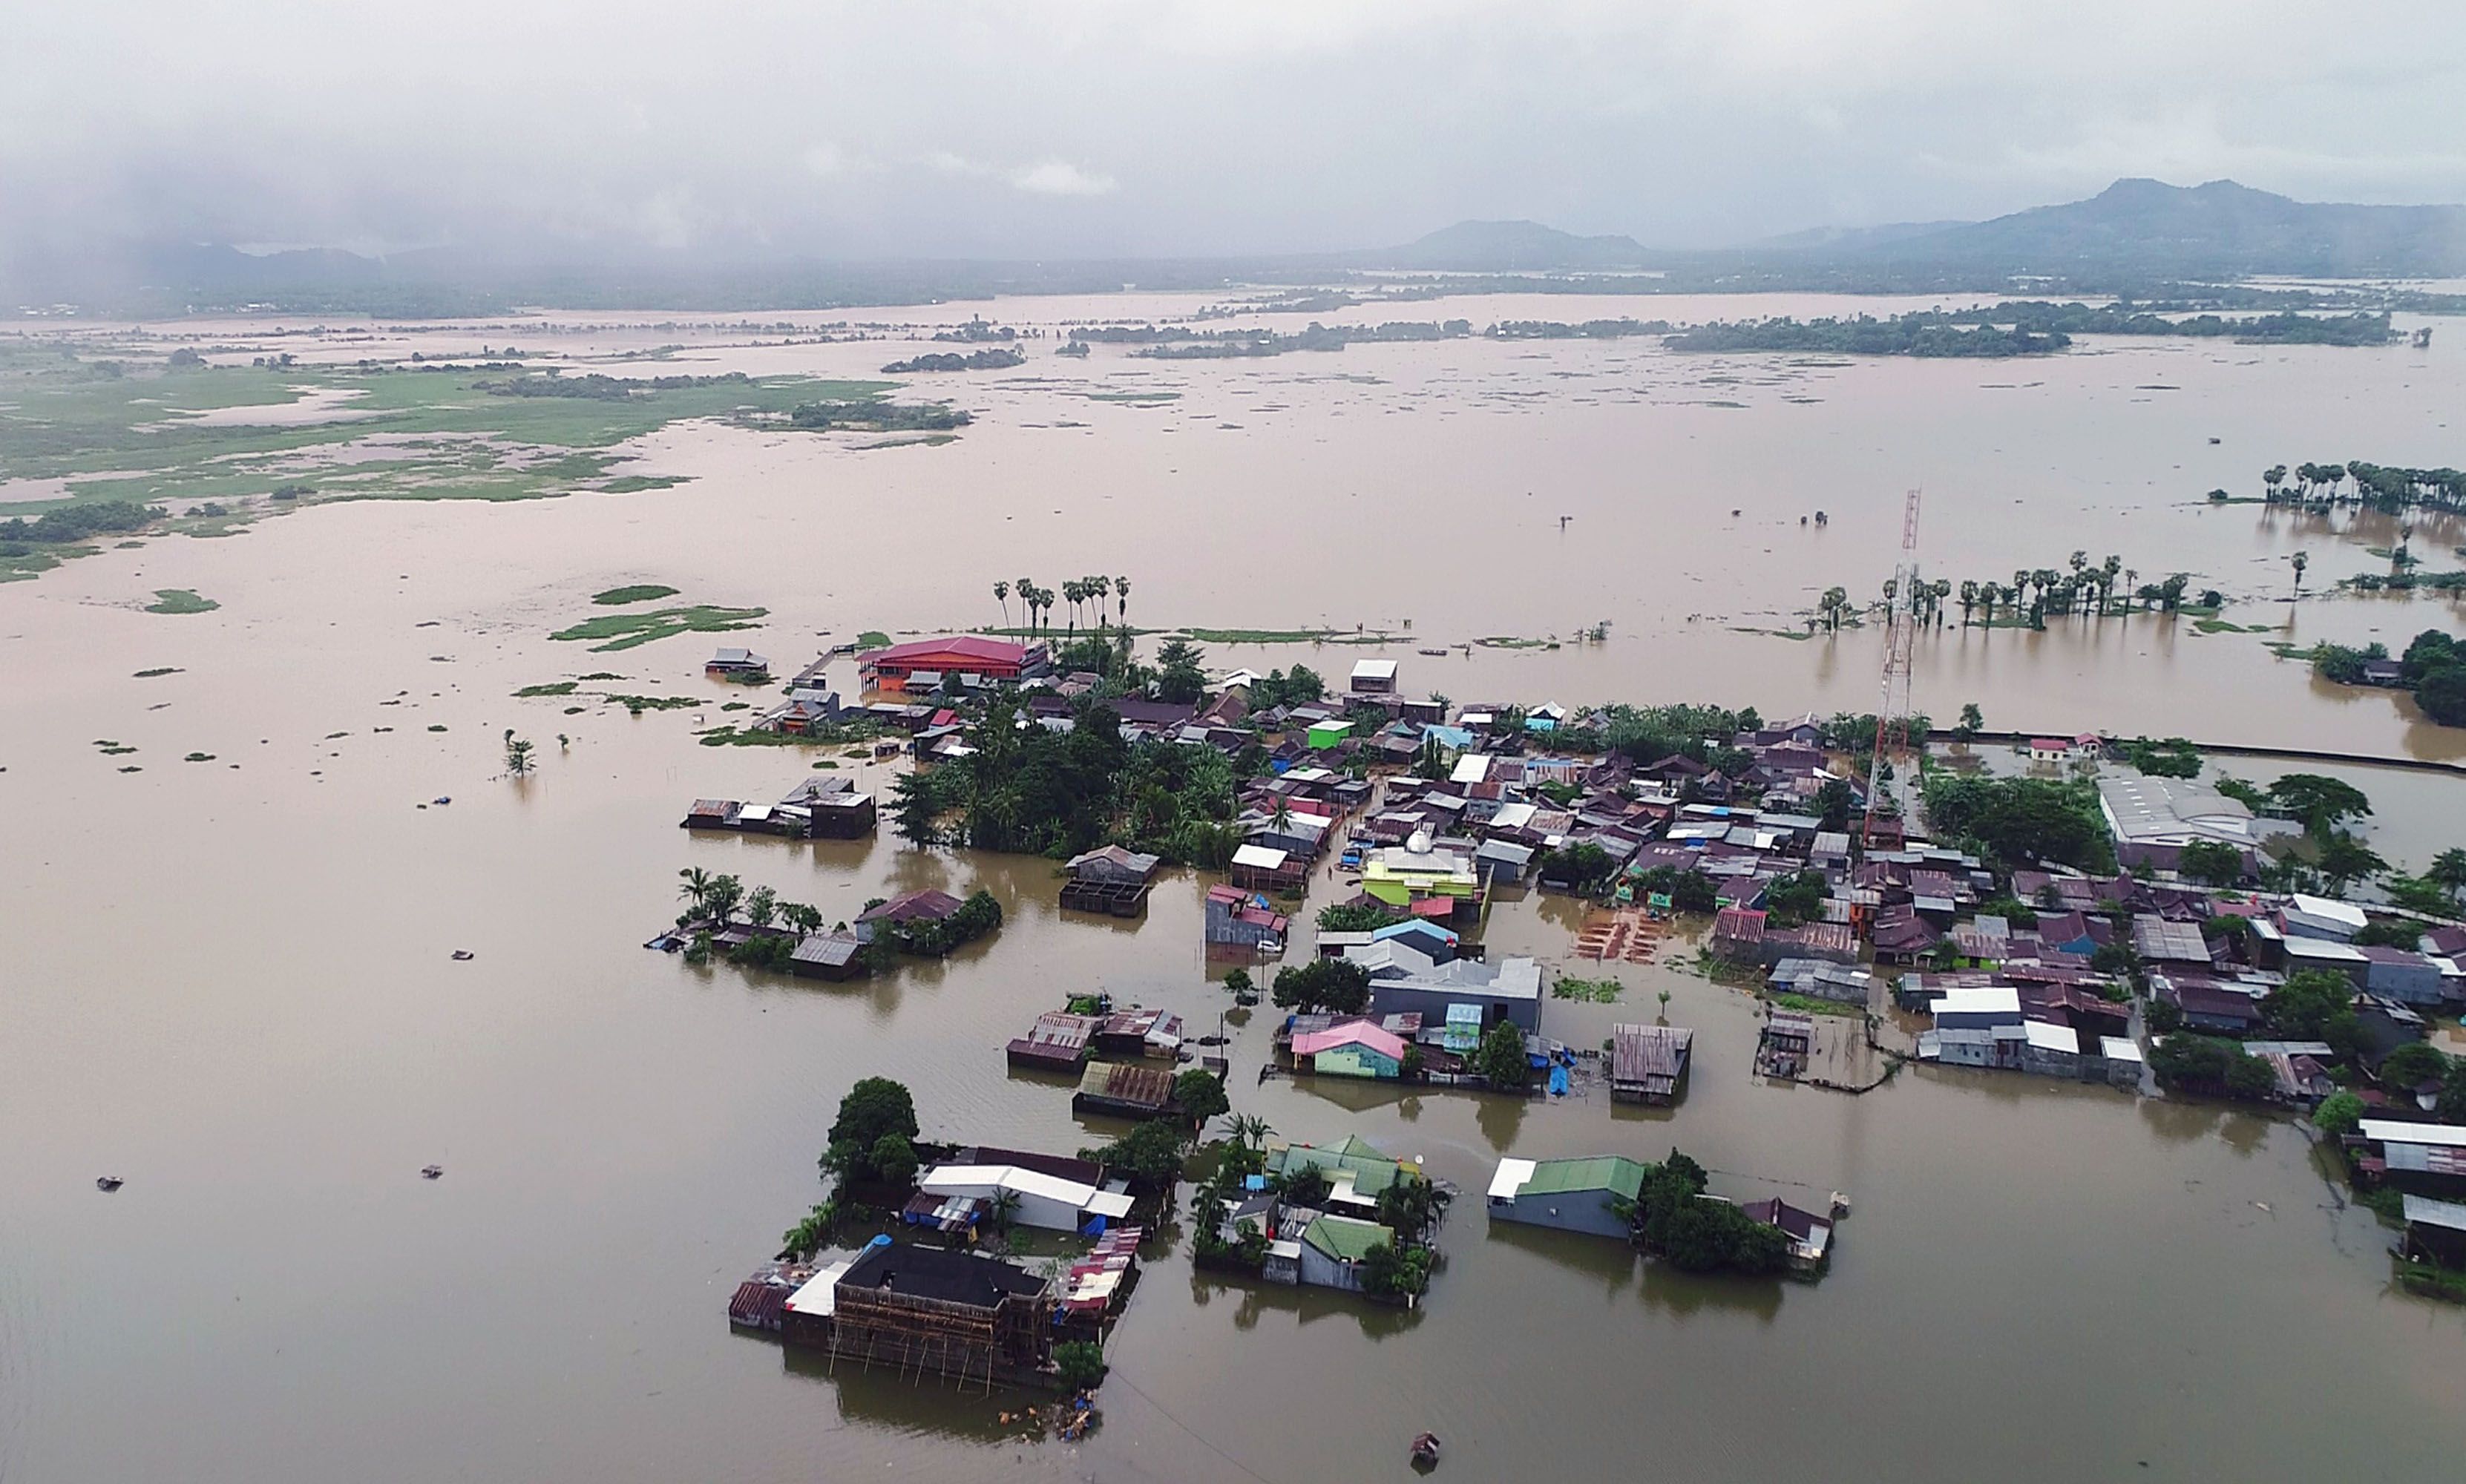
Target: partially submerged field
216,445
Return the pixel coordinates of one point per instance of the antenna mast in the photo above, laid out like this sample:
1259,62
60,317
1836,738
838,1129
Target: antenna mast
1900,638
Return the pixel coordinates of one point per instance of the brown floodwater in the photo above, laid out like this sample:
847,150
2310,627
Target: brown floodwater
229,982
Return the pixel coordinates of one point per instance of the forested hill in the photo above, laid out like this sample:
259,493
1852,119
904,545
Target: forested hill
2149,227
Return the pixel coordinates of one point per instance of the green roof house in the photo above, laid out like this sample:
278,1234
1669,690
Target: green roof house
1333,1249
1356,1172
1572,1195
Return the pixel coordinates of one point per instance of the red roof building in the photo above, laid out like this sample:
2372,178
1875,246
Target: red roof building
994,659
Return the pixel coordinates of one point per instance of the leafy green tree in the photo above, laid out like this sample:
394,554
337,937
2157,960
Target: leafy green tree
2214,862
2413,1065
762,907
874,1109
1200,1092
2313,1005
1501,1059
1411,1205
1149,1155
1835,800
2338,1113
1798,898
1079,1364
2018,821
1388,1271
1334,985
894,1160
2345,860
1238,982
1412,1066
722,895
1973,721
1178,676
2321,803
917,805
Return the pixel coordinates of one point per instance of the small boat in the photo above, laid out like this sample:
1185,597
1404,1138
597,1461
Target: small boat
108,1183
431,1171
444,799
1426,1450
464,956
1440,653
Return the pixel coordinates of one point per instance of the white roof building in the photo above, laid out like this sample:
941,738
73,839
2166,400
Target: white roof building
2149,811
2320,916
1374,670
1045,1201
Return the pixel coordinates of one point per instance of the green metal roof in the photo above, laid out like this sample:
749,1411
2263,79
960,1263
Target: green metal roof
1344,1238
1611,1173
1372,1171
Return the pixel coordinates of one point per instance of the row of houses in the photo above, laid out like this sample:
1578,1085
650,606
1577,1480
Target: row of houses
815,809
1596,1196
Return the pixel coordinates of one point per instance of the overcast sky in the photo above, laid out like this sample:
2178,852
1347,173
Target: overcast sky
1085,127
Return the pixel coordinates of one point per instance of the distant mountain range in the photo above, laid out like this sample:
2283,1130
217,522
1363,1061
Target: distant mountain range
2142,227
2135,236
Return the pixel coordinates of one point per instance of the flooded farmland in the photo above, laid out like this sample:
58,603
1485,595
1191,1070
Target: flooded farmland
231,978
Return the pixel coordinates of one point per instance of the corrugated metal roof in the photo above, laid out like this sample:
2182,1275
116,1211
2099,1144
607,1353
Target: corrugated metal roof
1612,1173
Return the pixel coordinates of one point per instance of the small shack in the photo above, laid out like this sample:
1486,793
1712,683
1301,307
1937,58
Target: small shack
1110,880
1058,1041
1124,1089
826,956
1647,1062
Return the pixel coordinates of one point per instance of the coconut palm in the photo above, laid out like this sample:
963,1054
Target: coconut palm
697,887
1121,601
2300,560
1002,596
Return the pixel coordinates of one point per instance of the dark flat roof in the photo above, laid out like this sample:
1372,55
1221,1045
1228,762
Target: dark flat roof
933,1273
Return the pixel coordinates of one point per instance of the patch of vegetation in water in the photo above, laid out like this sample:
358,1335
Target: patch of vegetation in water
436,726
636,483
729,736
1590,991
112,749
561,687
873,639
1133,399
636,592
641,703
1816,1005
602,675
158,671
125,441
178,601
1512,641
627,631
1289,636
199,757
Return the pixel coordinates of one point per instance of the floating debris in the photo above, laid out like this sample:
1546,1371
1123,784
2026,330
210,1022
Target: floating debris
431,1171
108,1183
464,956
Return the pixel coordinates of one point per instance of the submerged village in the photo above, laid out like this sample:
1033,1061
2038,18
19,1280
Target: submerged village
2081,908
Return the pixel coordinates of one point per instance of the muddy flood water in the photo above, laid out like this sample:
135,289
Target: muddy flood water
230,979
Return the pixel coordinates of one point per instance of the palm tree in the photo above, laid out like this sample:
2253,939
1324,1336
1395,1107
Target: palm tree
2130,586
1002,1213
1835,602
2448,868
2300,560
2273,478
1121,601
697,885
1968,600
1026,590
1097,588
1002,596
